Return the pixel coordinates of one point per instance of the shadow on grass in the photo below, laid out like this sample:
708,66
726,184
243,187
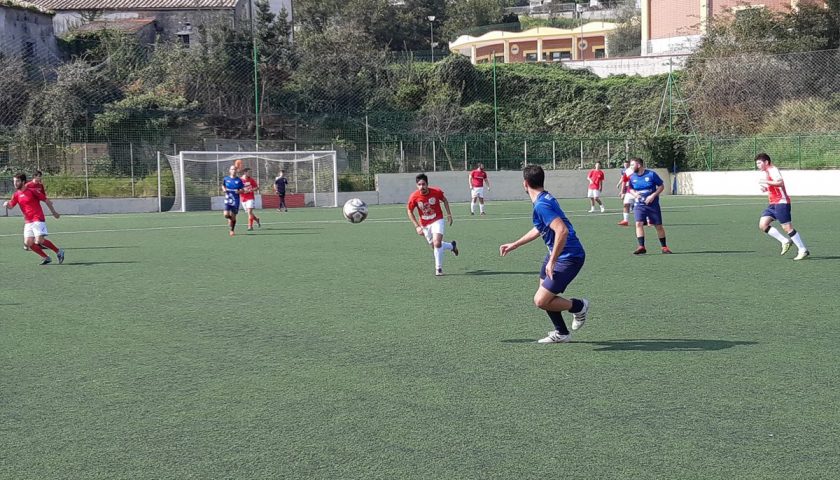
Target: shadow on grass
274,232
701,252
488,272
691,225
834,257
88,264
99,248
653,344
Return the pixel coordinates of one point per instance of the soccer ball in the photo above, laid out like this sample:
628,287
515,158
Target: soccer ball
355,210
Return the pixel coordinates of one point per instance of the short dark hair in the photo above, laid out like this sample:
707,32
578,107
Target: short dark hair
21,176
421,176
37,173
534,175
246,169
637,160
763,157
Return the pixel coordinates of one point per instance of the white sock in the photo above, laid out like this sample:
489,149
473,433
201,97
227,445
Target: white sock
625,215
439,258
445,246
481,207
777,235
798,241
472,207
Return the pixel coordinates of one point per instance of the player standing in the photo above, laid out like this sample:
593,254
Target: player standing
477,179
280,188
624,194
779,207
427,201
596,185
646,186
37,184
250,186
232,186
563,261
35,225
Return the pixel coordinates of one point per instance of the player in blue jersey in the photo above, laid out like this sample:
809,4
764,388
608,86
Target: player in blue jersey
232,186
645,186
562,263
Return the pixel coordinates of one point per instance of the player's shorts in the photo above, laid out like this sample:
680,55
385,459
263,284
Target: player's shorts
282,195
629,199
651,214
246,204
565,271
779,211
477,192
593,193
232,208
35,229
431,229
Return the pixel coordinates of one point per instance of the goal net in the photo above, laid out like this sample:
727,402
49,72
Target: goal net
198,175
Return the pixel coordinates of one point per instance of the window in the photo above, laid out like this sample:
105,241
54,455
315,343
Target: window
600,53
558,55
500,59
531,57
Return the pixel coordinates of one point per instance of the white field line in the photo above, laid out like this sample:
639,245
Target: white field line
400,219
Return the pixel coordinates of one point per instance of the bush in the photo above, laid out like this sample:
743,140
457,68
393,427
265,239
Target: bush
353,182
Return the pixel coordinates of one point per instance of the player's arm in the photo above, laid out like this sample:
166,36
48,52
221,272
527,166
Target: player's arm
487,181
51,207
650,198
446,206
410,211
529,237
773,182
561,233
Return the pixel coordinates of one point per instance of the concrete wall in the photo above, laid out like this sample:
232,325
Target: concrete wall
797,183
20,26
642,66
371,198
93,206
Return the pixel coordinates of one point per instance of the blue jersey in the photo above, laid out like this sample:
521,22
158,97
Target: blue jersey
645,184
232,184
546,209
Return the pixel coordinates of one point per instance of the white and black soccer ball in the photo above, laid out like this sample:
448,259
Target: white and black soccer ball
355,210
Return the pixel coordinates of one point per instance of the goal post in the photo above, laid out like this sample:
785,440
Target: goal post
198,175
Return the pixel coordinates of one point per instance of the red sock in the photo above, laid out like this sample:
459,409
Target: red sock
49,244
37,249
250,221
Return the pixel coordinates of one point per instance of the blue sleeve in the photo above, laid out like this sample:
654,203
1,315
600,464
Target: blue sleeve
545,213
657,180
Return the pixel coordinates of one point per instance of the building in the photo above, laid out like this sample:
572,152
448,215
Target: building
670,26
542,44
173,19
26,31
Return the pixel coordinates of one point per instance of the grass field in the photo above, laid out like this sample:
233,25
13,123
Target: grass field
313,348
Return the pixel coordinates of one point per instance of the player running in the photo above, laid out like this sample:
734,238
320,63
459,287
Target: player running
427,201
37,184
646,186
248,197
477,179
232,187
35,225
779,207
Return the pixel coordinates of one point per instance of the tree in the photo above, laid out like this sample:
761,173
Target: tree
626,39
464,14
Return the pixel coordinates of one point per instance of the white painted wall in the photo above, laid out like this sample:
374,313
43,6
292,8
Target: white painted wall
797,183
642,66
93,206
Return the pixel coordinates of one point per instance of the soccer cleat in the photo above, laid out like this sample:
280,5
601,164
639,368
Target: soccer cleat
455,247
555,337
578,319
439,272
472,213
231,233
46,260
250,229
482,214
60,256
25,247
259,225
603,209
666,250
640,251
624,223
786,247
592,210
802,255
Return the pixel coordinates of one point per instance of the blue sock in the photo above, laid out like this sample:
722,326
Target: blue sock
559,324
577,306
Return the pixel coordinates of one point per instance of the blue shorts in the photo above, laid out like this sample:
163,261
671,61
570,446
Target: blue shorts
565,270
650,213
779,211
234,209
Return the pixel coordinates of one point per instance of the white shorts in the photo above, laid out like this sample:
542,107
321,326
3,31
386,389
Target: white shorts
248,204
593,193
35,229
477,192
433,228
629,199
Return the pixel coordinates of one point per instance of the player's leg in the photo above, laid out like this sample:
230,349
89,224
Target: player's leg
473,199
640,215
590,194
250,212
655,218
783,215
29,241
764,224
547,298
481,201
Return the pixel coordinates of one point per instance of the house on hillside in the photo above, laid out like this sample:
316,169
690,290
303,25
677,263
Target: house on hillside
172,19
26,31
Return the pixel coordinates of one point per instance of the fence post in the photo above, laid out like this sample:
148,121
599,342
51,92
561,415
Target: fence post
38,156
554,154
799,150
434,157
174,149
609,158
711,154
160,193
366,166
131,161
581,154
465,156
526,153
85,159
626,150
496,153
402,157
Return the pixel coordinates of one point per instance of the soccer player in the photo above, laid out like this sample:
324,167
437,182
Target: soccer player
37,184
563,261
624,194
250,186
35,225
477,179
596,184
427,201
779,207
646,186
280,188
232,186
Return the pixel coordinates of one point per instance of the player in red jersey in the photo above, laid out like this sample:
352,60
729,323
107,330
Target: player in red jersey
623,193
37,184
427,201
596,186
247,197
35,226
477,179
779,208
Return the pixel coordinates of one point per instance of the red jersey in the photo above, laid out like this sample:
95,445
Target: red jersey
596,179
428,205
776,194
477,178
625,179
254,187
33,185
30,204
